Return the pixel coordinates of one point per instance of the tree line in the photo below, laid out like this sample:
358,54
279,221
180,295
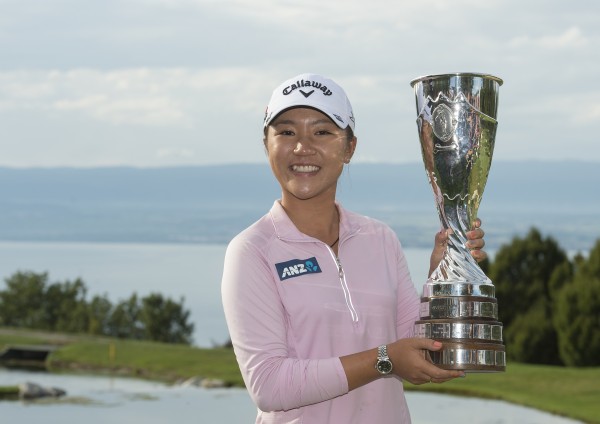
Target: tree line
31,301
548,303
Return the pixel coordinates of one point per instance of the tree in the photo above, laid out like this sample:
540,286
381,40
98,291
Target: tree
22,303
531,338
522,273
577,313
165,320
65,308
30,302
124,321
99,312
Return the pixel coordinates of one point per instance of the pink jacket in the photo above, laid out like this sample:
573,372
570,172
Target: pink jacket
293,309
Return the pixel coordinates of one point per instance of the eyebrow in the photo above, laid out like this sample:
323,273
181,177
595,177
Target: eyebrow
292,122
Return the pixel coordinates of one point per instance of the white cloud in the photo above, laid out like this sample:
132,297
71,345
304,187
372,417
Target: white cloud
177,153
571,38
134,111
355,20
139,97
146,82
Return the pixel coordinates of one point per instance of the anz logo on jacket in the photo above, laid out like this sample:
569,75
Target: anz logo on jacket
297,267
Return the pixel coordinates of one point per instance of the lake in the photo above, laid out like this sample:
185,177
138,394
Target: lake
192,271
104,399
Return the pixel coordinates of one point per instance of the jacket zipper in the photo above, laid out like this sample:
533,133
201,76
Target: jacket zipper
344,285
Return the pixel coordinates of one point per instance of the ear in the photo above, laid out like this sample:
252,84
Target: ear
350,150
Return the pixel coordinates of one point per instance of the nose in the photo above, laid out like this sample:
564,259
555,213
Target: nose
304,146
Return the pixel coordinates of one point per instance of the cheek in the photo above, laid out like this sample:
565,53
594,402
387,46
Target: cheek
276,156
344,153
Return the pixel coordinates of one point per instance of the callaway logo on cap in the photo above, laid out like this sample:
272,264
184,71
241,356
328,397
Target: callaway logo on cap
314,91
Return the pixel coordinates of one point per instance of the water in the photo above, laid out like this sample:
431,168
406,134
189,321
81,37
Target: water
103,399
192,271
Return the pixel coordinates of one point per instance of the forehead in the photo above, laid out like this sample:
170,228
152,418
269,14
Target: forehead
301,115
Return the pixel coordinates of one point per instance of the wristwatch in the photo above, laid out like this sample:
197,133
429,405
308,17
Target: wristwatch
383,365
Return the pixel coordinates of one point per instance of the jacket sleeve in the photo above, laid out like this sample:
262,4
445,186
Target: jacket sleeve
256,320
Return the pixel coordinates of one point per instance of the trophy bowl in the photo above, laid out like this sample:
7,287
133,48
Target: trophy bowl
456,120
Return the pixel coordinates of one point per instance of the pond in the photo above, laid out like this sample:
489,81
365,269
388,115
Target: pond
106,399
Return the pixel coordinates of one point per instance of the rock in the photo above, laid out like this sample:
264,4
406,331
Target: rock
207,383
193,381
35,391
212,383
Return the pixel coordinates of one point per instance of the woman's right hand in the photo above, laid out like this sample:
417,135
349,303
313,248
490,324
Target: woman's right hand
410,358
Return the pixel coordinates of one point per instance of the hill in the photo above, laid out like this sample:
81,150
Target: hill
213,203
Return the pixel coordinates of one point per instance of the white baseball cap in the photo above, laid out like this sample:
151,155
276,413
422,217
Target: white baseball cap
315,91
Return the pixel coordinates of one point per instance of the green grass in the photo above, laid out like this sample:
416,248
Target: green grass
9,393
167,362
571,392
151,360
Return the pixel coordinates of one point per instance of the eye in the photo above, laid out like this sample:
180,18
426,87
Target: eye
286,132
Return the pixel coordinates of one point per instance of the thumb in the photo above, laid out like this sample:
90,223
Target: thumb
441,238
433,345
426,344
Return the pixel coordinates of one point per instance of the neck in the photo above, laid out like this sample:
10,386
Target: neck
317,219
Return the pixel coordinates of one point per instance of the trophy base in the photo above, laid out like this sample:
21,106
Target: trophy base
470,357
445,289
477,331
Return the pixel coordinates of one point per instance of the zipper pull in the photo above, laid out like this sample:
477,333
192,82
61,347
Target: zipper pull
340,269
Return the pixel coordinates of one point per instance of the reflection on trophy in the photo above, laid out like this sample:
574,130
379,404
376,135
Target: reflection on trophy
457,127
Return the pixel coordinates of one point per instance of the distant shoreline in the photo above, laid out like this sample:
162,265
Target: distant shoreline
212,203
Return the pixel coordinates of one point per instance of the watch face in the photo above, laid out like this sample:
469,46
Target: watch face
384,367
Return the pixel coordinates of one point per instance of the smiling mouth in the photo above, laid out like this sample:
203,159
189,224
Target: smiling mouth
305,168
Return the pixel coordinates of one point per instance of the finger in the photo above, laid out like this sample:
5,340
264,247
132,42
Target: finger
477,233
477,244
441,238
477,223
433,374
479,255
441,380
424,378
427,344
441,376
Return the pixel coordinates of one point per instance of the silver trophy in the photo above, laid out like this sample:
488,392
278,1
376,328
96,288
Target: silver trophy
457,128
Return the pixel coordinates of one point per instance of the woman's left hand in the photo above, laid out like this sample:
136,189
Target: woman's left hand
475,244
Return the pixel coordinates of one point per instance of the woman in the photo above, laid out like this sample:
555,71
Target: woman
318,300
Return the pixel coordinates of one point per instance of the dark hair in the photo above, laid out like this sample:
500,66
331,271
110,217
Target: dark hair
349,134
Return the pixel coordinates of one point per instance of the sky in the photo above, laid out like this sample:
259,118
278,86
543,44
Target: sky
153,83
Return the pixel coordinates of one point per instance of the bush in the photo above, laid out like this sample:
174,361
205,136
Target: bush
523,275
30,302
577,314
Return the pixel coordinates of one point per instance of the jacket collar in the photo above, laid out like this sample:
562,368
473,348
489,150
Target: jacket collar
286,230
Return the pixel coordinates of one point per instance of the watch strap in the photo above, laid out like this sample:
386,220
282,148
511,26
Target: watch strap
382,353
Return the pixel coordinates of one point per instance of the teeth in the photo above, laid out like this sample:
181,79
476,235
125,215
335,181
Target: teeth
305,168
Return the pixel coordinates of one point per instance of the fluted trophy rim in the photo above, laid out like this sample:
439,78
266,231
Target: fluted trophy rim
456,74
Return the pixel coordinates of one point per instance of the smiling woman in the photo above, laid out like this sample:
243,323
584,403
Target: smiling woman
318,300
307,153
